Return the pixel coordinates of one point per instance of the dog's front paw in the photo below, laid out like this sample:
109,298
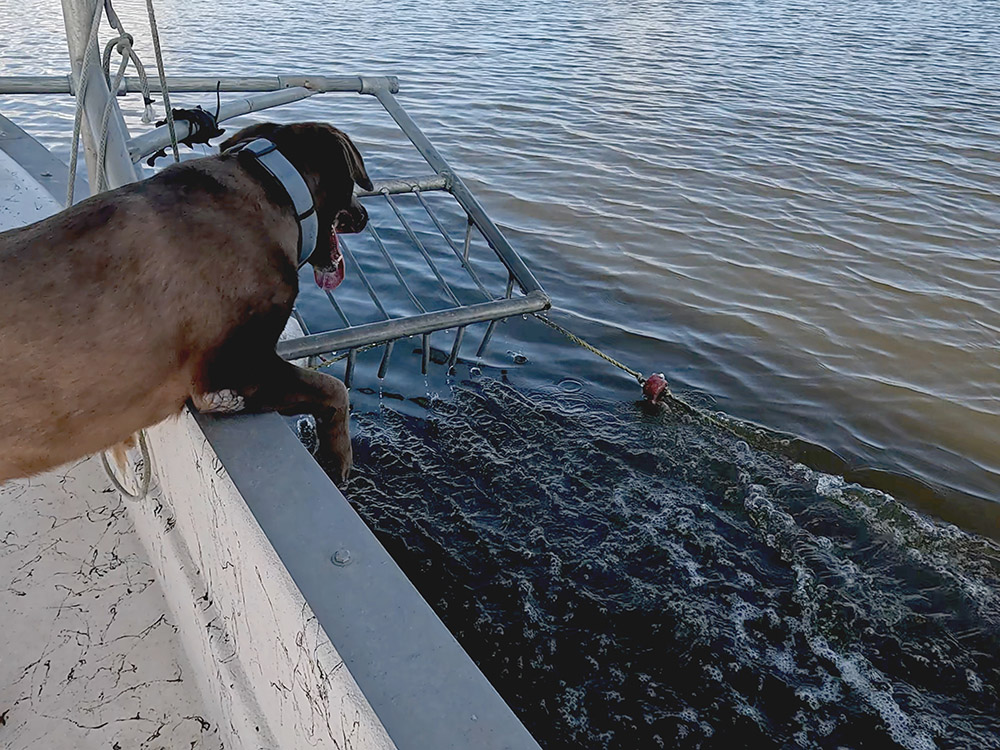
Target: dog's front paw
219,402
336,455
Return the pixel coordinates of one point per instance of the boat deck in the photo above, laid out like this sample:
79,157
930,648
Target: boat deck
89,657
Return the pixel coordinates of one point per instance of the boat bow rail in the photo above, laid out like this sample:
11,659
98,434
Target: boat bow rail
454,264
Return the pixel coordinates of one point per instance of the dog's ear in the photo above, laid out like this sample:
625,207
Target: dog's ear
355,164
260,130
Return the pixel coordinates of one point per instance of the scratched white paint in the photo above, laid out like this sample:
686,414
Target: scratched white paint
265,666
89,653
90,657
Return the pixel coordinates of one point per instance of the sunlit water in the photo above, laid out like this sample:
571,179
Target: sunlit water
791,209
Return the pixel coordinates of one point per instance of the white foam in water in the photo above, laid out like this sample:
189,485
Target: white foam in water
555,565
681,558
822,727
745,709
783,659
828,692
975,683
739,614
573,709
768,516
829,486
858,673
836,575
746,580
714,672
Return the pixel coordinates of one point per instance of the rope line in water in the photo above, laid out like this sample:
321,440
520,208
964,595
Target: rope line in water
753,435
591,348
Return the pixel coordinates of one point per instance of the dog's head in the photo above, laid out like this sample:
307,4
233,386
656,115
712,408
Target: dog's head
331,166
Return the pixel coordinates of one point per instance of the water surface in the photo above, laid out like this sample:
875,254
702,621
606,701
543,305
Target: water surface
789,208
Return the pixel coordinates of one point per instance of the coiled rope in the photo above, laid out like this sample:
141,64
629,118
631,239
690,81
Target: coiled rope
147,471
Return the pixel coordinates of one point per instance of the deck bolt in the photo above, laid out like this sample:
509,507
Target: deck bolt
341,557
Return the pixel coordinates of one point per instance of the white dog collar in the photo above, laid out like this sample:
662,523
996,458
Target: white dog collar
275,163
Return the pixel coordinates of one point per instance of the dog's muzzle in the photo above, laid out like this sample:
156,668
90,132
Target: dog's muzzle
350,220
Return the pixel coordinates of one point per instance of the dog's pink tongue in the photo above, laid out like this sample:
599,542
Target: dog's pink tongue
329,279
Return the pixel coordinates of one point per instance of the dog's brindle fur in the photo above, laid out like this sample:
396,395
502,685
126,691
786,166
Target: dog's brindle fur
118,310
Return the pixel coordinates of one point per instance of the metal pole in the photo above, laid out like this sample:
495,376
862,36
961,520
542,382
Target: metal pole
77,16
415,325
400,185
423,250
464,260
154,140
151,142
37,84
490,231
188,84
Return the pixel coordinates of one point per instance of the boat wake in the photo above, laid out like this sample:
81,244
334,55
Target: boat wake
634,578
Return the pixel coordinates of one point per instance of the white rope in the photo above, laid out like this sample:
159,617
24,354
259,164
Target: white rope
147,472
101,176
163,78
124,44
99,183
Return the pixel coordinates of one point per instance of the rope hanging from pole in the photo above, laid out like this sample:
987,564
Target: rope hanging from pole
163,78
101,177
123,44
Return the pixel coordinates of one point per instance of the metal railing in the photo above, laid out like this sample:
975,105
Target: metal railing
522,294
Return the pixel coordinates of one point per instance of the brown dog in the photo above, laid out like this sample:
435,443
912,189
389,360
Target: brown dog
118,310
